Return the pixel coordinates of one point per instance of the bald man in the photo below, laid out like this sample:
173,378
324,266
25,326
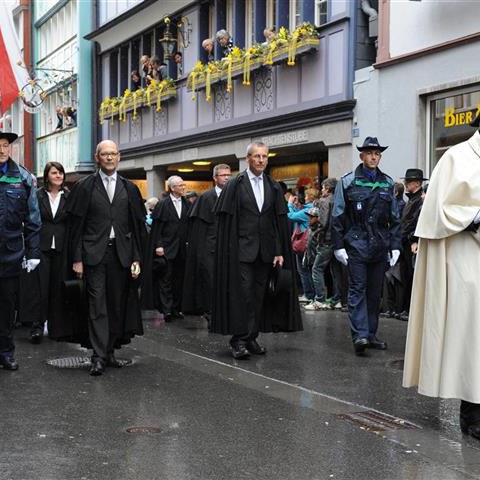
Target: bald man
107,228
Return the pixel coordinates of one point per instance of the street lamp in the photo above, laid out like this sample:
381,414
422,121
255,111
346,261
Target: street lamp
167,42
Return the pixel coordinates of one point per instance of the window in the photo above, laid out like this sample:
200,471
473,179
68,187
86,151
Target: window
295,14
321,11
211,21
449,118
229,17
249,23
272,14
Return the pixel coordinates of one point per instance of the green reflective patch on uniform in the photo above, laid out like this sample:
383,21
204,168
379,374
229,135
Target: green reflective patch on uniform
5,179
371,185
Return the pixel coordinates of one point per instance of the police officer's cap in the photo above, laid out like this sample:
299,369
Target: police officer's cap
11,137
371,143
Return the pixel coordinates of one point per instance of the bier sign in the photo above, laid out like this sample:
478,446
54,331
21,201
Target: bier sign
453,118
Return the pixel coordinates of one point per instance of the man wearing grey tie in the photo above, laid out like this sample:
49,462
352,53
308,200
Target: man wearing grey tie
252,239
106,237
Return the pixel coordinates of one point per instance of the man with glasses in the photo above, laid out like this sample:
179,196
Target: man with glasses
168,242
107,234
202,237
253,242
366,237
20,224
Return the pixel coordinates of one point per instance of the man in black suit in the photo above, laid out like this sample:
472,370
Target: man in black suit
252,237
202,237
107,219
169,239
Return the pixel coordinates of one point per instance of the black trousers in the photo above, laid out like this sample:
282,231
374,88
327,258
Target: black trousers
107,293
253,281
170,286
50,275
8,301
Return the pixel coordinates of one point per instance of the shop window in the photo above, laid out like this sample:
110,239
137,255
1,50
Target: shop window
449,121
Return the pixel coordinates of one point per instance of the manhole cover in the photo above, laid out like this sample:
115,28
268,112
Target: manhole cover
375,421
79,362
397,364
144,430
70,362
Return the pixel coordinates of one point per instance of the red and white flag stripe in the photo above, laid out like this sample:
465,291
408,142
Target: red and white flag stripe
12,76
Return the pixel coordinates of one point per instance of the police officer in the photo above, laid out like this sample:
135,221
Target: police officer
19,236
366,236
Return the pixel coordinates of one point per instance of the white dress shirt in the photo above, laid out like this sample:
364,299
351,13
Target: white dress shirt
177,203
54,203
113,179
218,190
257,186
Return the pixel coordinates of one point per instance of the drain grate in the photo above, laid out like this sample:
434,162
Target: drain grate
375,421
79,362
144,430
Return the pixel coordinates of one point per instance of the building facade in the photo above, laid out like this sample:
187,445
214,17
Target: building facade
301,106
62,62
424,88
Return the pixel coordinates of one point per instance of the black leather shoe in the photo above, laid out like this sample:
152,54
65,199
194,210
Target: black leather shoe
36,338
360,344
377,344
113,362
256,349
176,314
168,317
8,363
239,352
97,368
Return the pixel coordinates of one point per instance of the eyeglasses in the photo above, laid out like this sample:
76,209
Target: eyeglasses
224,175
181,185
257,156
108,154
4,147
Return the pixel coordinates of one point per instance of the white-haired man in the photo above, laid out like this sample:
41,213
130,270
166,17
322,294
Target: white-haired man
169,240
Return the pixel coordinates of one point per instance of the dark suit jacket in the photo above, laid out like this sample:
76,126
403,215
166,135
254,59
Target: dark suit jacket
52,226
169,231
98,220
257,231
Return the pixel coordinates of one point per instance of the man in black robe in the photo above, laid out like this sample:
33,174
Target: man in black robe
202,237
252,239
106,238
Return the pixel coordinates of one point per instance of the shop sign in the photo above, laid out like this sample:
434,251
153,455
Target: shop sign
453,118
287,138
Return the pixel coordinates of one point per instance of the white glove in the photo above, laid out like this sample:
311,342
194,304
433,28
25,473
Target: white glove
393,257
32,264
341,256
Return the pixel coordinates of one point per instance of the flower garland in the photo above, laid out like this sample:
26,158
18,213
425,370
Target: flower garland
112,106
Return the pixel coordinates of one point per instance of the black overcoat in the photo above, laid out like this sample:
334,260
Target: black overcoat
77,207
281,313
202,234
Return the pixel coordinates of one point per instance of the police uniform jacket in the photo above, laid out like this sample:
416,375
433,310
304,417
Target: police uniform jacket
365,219
20,220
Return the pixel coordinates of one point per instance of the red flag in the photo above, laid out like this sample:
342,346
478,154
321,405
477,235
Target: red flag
12,76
